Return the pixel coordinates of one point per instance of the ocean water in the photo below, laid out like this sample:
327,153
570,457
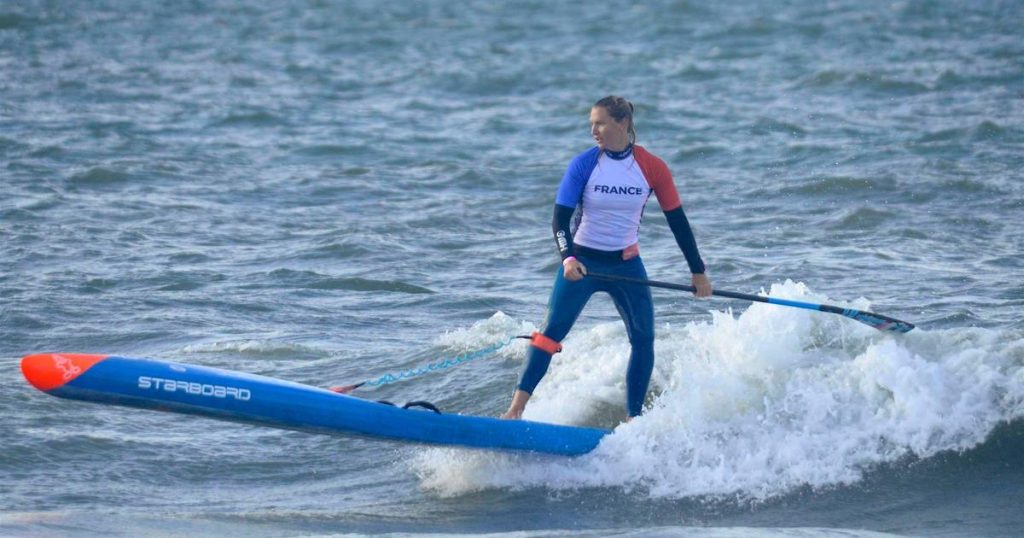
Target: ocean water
330,191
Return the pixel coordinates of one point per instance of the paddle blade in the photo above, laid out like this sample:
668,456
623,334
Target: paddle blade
878,321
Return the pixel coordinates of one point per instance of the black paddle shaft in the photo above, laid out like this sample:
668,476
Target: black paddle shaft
878,321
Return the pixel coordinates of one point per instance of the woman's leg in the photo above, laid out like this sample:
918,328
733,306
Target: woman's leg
564,307
637,310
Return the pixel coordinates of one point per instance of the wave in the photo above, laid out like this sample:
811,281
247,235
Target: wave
766,126
756,406
329,150
257,523
983,131
837,185
258,118
256,348
1001,449
365,284
9,146
14,21
862,80
698,152
50,151
316,281
100,175
861,218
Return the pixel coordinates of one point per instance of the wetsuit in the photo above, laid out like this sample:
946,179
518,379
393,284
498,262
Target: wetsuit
607,192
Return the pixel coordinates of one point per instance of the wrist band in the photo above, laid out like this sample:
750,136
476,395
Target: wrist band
573,258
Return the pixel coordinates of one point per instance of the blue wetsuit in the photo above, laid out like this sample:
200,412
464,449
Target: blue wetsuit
608,192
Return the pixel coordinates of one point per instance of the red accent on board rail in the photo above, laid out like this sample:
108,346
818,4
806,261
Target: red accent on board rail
47,371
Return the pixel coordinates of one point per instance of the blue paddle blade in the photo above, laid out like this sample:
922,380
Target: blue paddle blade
878,321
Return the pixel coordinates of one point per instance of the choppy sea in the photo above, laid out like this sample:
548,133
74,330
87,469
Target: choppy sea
328,191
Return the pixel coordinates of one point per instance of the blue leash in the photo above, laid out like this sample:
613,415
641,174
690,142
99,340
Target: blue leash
437,366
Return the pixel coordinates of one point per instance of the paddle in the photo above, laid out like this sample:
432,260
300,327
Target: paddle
878,321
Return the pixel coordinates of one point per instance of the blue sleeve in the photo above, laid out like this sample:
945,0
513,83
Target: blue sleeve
570,191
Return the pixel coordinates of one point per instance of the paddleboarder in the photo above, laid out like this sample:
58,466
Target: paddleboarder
607,188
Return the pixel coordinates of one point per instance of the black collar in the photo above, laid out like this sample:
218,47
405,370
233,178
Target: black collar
619,155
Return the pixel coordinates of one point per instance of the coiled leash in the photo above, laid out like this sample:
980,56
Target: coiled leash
536,339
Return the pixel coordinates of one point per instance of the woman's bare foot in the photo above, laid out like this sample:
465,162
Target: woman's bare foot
518,405
512,415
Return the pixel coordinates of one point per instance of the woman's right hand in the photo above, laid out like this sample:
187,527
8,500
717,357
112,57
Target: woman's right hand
574,270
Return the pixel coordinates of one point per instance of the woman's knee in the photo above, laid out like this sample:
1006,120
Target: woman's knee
641,339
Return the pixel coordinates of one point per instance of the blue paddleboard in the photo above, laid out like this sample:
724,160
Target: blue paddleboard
265,401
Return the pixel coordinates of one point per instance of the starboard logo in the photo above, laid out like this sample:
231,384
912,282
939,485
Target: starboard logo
195,389
67,367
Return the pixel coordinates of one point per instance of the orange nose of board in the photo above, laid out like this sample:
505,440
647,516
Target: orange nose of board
48,371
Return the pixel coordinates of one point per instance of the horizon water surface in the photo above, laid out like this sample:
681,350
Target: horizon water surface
327,191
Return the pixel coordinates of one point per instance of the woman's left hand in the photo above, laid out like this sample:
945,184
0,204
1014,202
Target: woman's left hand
703,285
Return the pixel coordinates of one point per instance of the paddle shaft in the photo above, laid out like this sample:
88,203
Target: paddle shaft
691,289
877,321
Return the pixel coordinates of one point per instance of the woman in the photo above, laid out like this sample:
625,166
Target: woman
608,187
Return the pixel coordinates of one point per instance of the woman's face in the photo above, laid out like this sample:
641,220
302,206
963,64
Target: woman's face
608,133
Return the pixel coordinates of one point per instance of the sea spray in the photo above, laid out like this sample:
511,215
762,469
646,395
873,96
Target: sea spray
756,405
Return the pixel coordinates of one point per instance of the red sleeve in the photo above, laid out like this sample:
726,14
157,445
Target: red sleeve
659,178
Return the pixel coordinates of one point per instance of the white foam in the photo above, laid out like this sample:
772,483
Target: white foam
256,347
488,332
757,405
